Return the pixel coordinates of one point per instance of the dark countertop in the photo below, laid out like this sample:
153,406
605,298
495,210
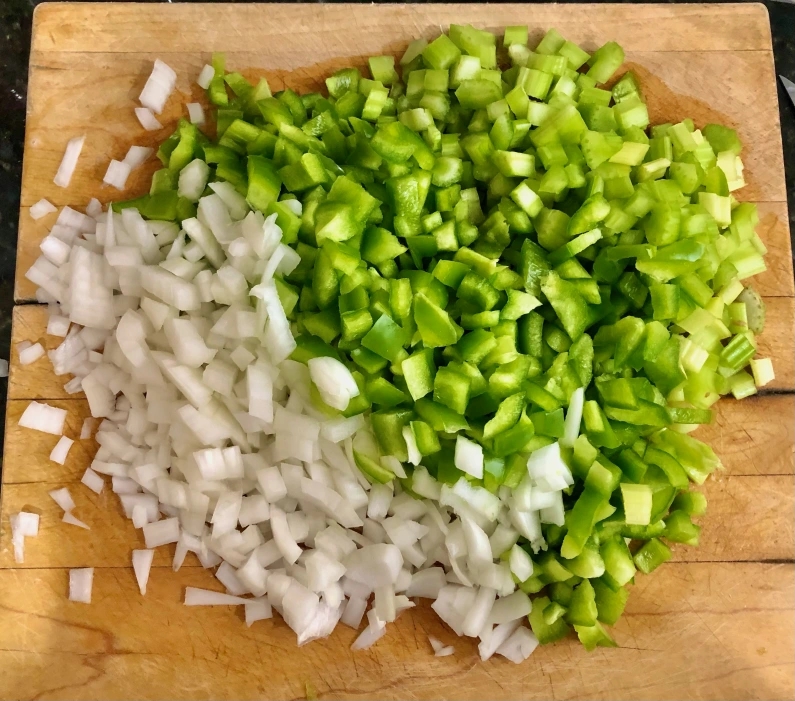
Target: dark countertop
15,27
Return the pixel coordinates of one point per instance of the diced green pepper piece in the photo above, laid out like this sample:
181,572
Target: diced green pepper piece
385,338
653,553
418,372
545,632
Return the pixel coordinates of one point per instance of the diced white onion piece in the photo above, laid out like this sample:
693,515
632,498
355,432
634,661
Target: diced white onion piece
195,113
161,532
72,520
193,179
478,613
436,644
519,646
44,418
510,608
235,202
206,74
571,426
469,457
427,583
206,597
93,481
117,174
80,584
368,637
63,498
520,563
41,209
334,382
159,87
94,208
354,612
86,429
547,468
496,637
61,450
69,161
294,206
147,119
415,457
445,651
281,534
31,354
253,576
271,484
322,570
257,610
138,155
375,565
3,367
142,564
27,524
477,545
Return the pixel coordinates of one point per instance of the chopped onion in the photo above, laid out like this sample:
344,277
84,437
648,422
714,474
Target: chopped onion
142,564
3,367
571,427
370,635
61,450
80,584
137,155
206,597
23,525
469,457
41,209
519,646
69,162
547,468
206,74
44,418
93,481
86,429
28,524
354,612
72,520
147,119
195,113
31,354
510,608
161,532
334,382
520,563
94,208
478,613
63,498
158,87
257,610
117,174
375,565
495,638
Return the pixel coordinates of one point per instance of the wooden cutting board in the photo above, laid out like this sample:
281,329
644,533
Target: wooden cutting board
717,622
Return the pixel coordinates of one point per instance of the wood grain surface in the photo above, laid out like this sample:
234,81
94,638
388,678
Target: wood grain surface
717,622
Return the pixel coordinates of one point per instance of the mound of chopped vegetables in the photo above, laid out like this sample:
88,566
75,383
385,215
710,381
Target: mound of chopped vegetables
538,294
